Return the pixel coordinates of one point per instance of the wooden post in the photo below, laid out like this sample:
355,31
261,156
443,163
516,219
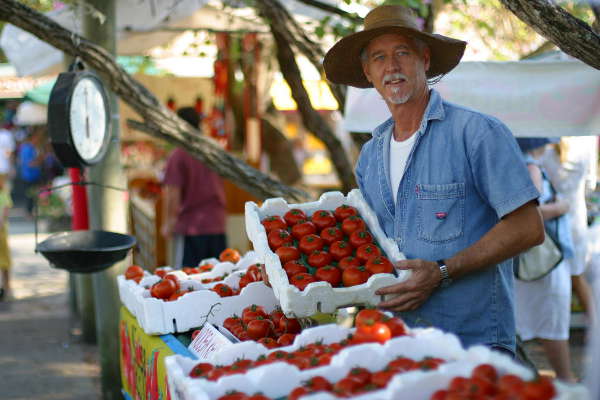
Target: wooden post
108,211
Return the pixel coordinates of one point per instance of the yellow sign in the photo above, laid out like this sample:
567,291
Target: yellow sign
143,372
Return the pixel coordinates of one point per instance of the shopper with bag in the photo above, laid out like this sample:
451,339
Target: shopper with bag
543,305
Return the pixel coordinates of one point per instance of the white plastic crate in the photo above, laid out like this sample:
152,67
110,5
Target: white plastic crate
319,296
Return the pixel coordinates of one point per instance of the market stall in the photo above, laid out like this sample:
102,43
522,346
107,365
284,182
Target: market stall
218,332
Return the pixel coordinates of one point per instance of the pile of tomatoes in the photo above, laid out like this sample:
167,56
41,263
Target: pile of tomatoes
374,326
335,247
252,274
168,288
272,329
485,383
357,381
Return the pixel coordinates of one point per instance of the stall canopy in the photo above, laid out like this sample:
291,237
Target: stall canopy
534,98
141,25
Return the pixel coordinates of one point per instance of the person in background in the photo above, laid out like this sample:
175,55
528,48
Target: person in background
448,184
571,167
194,205
7,147
543,306
30,159
5,258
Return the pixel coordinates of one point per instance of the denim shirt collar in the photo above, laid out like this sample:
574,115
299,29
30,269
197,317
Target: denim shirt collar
434,110
382,136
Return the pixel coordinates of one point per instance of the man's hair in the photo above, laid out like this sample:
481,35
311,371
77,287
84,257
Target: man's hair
189,115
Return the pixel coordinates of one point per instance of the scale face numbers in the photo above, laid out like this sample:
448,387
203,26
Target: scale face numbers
87,118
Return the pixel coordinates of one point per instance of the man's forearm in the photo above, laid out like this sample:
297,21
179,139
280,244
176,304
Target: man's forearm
515,233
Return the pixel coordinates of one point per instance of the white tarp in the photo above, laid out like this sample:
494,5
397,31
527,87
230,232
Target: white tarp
534,98
137,27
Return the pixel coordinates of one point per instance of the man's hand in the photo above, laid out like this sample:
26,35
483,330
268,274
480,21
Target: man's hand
413,292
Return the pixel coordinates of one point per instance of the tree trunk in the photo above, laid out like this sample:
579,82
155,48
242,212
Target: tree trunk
158,120
312,120
570,34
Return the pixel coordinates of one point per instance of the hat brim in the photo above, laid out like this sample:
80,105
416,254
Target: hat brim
343,65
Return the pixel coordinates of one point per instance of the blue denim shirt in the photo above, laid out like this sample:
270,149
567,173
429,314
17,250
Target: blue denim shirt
464,173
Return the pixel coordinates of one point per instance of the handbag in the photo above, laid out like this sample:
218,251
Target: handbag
539,261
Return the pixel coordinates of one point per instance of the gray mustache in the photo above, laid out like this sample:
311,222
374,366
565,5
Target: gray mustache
391,77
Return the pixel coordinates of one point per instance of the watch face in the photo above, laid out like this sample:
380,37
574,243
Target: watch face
87,115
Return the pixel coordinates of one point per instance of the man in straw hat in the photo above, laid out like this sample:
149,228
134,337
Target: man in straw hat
448,184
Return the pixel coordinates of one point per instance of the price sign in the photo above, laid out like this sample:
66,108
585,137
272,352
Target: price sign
208,342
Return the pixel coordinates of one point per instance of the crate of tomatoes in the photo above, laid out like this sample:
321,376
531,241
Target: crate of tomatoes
323,255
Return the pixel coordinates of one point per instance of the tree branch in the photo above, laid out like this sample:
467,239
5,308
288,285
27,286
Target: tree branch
160,121
332,9
570,34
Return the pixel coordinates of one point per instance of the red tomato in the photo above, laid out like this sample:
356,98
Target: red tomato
302,280
273,222
294,267
367,251
319,259
358,238
396,325
381,378
293,216
259,396
253,272
174,279
317,383
353,223
259,328
349,261
510,384
459,384
278,238
286,339
192,271
176,295
234,396
196,333
340,249
252,312
331,234
330,274
300,362
161,272
302,229
346,386
439,395
485,371
289,325
323,219
402,364
379,265
275,316
376,332
231,322
245,280
539,389
310,243
298,392
429,363
368,316
163,289
231,255
355,276
216,373
133,272
222,290
287,253
268,342
361,375
344,211
201,370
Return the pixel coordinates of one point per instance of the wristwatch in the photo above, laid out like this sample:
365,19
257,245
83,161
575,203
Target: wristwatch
446,280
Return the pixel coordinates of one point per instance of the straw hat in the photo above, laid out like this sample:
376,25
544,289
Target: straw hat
342,62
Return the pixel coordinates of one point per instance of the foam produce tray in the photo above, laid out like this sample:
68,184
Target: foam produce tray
278,379
319,296
158,317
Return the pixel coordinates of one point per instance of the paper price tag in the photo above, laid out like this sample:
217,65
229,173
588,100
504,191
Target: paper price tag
208,342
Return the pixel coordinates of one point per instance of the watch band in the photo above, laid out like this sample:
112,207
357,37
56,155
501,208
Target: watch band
445,280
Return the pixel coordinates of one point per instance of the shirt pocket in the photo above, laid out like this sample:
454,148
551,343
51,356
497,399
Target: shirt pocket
440,211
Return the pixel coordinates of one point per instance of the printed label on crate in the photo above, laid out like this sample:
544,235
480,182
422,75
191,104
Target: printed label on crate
208,342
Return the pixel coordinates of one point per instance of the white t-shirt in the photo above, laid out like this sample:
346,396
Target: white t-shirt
399,152
7,146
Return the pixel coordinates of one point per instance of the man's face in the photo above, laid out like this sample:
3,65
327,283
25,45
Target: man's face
395,67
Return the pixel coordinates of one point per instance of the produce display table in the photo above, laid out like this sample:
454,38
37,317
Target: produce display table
143,372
